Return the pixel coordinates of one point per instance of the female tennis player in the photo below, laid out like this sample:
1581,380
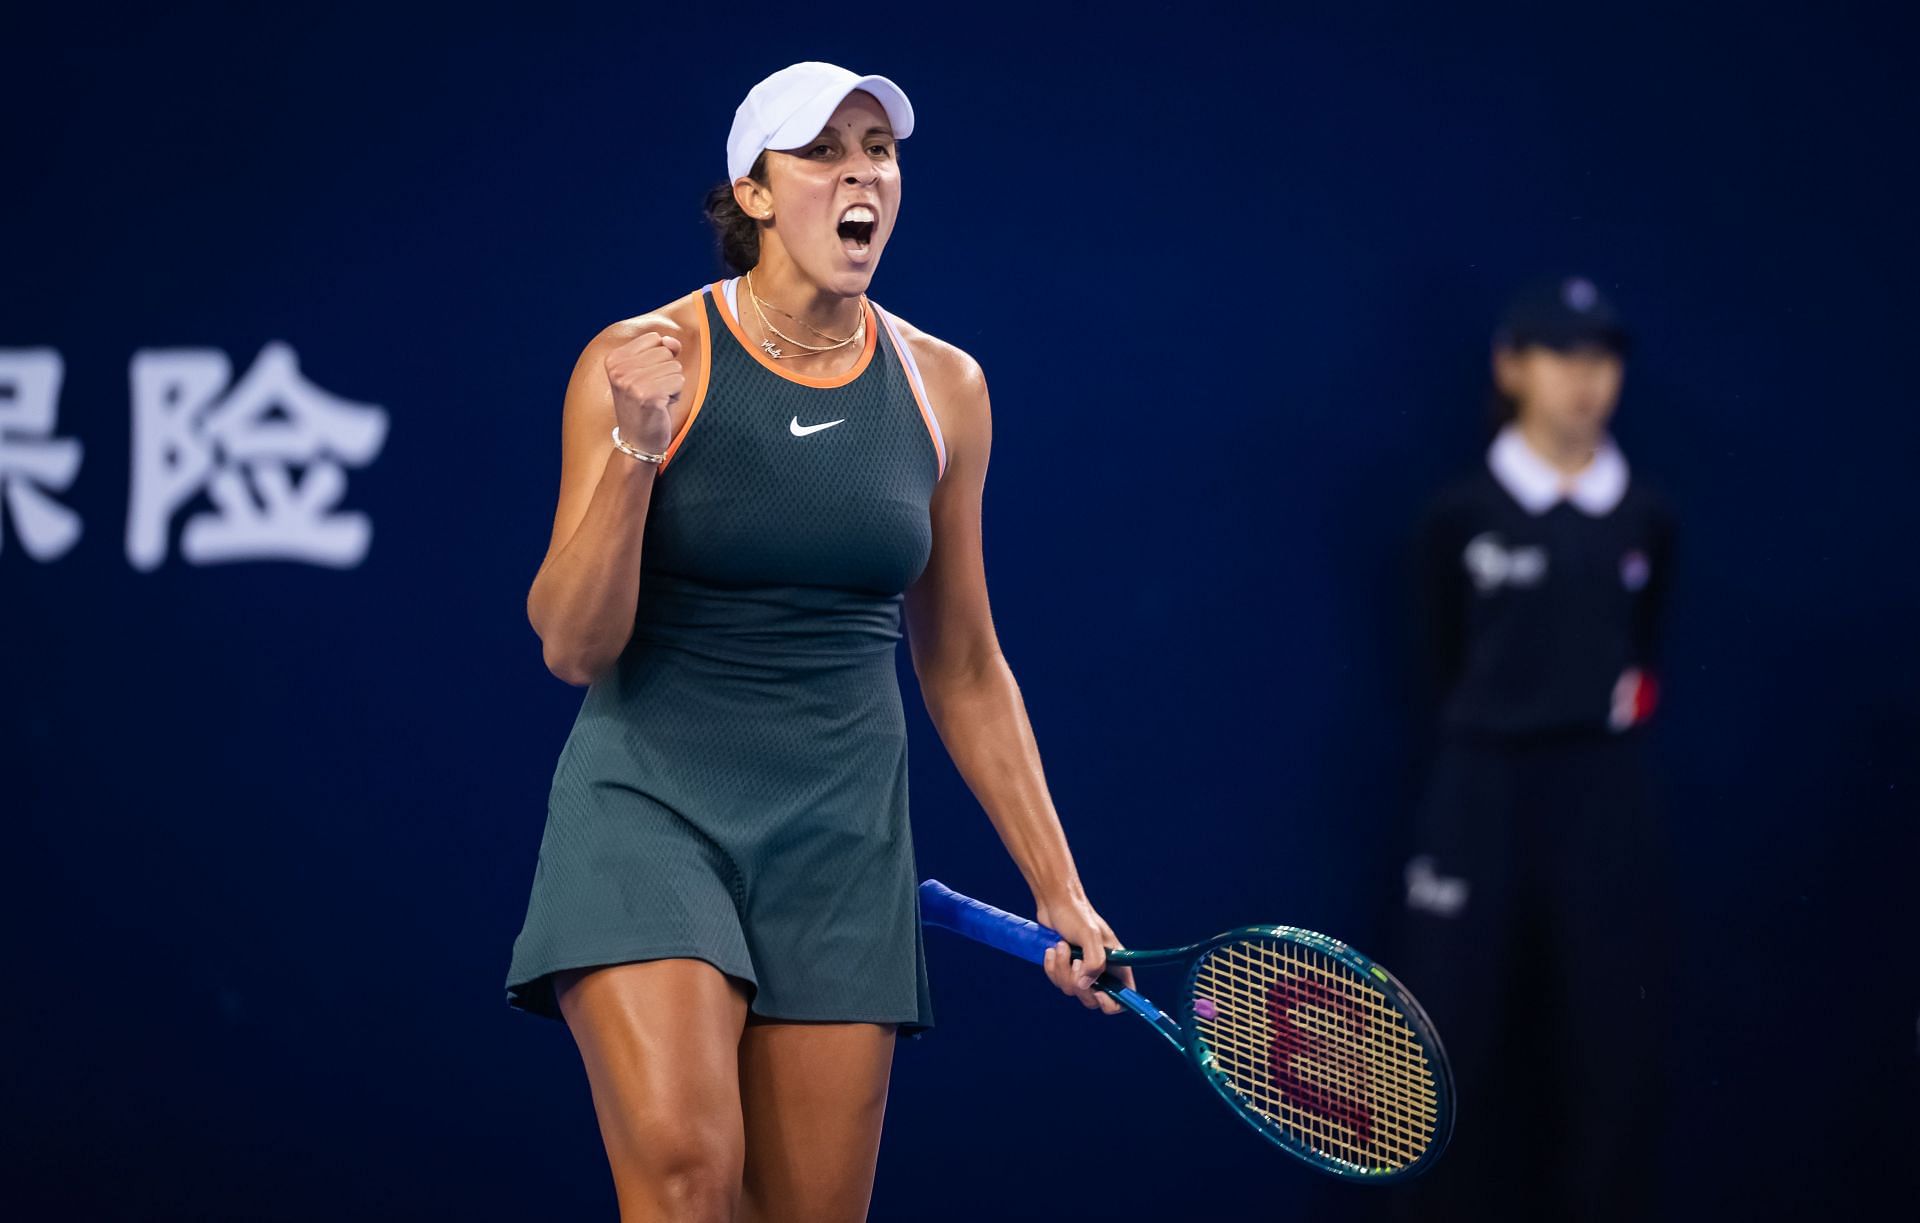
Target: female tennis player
755,479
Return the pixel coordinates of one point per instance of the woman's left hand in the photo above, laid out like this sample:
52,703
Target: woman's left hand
1076,922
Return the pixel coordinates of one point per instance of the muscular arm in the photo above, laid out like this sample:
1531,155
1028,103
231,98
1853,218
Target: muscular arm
968,688
584,596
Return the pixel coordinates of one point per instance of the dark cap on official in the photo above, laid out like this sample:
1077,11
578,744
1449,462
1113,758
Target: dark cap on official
1561,314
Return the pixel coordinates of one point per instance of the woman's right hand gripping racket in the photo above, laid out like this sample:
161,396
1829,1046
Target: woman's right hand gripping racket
1312,1044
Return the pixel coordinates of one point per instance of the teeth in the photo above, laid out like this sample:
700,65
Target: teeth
859,212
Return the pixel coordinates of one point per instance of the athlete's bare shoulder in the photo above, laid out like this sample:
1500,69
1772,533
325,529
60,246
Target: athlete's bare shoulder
680,318
589,402
955,382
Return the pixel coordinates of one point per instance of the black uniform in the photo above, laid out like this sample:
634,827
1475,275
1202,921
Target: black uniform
1532,909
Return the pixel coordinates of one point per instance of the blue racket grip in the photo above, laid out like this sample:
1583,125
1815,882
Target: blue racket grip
941,906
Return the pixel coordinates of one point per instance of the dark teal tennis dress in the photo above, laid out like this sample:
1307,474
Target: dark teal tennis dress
735,788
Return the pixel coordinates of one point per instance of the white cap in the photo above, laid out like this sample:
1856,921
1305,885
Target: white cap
790,107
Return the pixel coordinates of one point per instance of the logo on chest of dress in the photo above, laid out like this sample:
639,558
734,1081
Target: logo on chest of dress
800,430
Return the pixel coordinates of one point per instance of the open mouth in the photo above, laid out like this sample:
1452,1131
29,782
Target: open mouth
856,229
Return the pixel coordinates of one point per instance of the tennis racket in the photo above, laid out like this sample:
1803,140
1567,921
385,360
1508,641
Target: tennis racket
1312,1044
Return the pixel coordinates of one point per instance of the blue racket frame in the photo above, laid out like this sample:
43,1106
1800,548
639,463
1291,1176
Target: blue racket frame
947,909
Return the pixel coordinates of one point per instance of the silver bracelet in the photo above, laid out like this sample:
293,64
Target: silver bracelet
635,451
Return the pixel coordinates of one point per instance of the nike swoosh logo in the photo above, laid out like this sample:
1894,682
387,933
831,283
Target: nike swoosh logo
800,430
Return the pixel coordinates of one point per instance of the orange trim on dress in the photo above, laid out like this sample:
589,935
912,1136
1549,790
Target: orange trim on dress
717,288
699,396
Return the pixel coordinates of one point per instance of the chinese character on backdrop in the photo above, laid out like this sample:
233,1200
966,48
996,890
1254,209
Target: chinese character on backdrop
270,452
34,464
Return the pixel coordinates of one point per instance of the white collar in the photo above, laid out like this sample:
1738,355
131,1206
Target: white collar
1535,484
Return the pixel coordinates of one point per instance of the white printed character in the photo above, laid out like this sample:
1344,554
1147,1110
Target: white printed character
34,464
191,432
1492,564
1429,890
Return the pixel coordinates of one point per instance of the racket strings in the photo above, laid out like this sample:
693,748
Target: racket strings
1292,1047
1300,1077
1322,1086
1317,1050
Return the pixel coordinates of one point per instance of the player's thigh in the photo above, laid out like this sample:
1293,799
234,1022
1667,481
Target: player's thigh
815,1096
660,1041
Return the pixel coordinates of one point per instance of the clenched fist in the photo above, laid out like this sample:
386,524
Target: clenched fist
647,380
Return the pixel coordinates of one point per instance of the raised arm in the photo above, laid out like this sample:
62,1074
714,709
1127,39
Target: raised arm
583,598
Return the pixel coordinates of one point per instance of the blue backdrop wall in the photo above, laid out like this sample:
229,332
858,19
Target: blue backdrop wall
273,798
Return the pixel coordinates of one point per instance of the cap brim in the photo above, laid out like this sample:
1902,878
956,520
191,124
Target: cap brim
807,122
1562,338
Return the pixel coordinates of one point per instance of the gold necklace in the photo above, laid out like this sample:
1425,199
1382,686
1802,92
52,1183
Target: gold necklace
761,302
774,351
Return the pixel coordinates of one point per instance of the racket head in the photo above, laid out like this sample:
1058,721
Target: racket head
1321,1050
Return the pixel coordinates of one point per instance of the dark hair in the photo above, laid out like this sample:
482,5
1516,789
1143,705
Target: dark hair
1502,409
736,233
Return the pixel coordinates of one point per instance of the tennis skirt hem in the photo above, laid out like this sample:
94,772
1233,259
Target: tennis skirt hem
534,992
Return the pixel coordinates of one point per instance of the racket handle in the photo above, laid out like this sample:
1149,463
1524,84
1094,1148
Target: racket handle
941,906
